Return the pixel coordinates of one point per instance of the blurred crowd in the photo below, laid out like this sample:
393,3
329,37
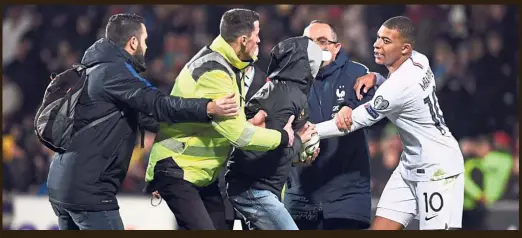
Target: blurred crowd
473,52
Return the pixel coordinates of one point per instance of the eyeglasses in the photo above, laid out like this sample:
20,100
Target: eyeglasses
322,41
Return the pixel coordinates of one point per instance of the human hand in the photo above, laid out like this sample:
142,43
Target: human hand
306,132
365,82
223,107
312,158
290,131
343,119
259,119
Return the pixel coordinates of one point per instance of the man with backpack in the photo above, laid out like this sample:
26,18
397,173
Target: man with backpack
93,124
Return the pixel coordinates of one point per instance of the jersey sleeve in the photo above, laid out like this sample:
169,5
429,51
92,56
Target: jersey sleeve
237,130
379,79
388,99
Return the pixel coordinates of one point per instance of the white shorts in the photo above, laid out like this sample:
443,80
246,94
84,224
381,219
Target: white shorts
436,204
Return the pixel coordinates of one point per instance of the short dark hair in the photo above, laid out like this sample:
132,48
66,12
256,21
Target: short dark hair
121,27
404,26
237,22
332,28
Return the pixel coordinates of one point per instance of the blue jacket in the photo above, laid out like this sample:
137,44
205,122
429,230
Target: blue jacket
338,182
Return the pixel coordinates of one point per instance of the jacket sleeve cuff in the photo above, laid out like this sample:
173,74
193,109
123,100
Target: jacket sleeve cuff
207,117
284,139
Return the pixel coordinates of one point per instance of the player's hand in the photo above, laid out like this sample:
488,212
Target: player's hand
306,132
343,119
223,107
365,82
156,194
259,119
290,131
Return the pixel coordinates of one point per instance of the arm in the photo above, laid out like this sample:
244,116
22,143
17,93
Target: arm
148,123
276,121
352,99
379,79
367,82
138,94
388,99
236,129
471,189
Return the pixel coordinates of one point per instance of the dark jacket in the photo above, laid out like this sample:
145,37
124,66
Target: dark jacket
338,182
258,81
290,74
88,176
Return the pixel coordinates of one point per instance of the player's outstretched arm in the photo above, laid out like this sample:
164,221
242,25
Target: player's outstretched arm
388,99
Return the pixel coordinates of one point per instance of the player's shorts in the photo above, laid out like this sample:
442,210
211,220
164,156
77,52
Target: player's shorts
437,204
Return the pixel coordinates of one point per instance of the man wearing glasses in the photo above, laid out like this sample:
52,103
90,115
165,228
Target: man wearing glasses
334,192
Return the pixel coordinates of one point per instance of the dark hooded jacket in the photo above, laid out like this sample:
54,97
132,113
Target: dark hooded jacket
88,176
293,66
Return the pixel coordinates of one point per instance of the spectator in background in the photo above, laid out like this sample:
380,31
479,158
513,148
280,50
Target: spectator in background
17,23
12,98
486,178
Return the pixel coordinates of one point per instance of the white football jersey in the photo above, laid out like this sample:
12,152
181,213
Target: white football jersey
407,98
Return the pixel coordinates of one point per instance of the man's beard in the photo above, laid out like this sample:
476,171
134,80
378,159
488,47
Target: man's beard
139,58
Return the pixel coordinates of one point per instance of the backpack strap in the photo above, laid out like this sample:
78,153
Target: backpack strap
101,119
96,122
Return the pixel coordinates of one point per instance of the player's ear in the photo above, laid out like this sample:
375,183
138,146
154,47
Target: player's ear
406,48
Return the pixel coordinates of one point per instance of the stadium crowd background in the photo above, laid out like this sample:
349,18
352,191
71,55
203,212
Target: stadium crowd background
473,52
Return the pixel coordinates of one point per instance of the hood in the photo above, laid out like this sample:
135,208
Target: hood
222,47
297,59
104,51
340,60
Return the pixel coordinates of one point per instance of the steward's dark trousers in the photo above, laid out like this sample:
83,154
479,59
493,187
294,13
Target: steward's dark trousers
195,208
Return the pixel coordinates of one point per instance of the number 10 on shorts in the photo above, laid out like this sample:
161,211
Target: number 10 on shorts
433,202
431,213
441,204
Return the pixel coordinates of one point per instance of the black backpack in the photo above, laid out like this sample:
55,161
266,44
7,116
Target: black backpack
53,123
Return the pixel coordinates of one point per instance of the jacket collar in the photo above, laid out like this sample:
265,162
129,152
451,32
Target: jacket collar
223,48
104,50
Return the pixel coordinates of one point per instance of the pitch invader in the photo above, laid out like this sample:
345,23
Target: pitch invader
428,183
